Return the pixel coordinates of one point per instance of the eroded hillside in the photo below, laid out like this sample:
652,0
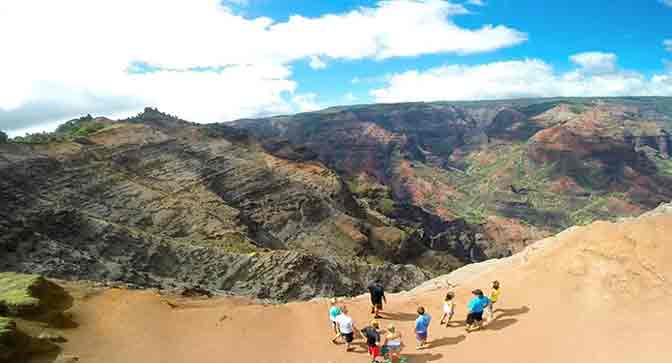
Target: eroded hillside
157,201
323,202
514,171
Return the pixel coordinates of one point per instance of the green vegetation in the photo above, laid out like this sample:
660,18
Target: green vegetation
6,326
386,205
664,165
15,292
150,114
31,295
233,243
80,127
504,182
73,129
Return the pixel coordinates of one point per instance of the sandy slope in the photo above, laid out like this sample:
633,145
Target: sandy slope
595,294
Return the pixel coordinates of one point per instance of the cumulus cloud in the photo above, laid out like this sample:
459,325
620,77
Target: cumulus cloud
198,58
306,102
317,63
667,43
349,97
595,62
522,78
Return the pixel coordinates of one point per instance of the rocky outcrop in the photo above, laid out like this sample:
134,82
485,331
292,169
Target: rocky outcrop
30,298
157,201
69,245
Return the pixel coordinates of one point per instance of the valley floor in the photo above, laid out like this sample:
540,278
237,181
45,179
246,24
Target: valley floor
598,294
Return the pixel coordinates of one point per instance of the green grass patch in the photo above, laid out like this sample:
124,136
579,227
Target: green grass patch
233,243
15,292
6,326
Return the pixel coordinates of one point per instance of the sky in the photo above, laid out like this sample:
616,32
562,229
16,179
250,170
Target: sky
220,60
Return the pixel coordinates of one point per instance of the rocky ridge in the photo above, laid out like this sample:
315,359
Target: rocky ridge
158,202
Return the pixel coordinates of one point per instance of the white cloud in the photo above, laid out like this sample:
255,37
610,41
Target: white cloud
72,56
668,65
595,62
317,63
238,2
667,43
480,2
666,2
349,97
306,102
521,78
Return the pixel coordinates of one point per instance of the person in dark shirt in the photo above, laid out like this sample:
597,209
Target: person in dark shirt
377,292
372,335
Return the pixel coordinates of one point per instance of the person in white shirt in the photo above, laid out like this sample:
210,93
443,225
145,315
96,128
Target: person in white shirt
347,328
448,309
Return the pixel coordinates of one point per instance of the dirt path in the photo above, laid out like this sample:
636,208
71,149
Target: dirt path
601,295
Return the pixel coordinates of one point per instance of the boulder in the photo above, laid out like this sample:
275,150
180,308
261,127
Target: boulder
23,295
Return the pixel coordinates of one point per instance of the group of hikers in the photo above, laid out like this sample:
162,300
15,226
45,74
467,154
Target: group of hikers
388,343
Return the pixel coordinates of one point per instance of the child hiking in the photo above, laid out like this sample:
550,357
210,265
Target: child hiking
422,327
448,309
372,335
494,297
334,312
392,344
476,307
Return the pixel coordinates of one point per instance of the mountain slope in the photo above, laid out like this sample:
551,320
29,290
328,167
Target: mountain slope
513,170
154,199
599,293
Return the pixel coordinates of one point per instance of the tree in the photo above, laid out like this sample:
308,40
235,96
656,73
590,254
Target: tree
3,137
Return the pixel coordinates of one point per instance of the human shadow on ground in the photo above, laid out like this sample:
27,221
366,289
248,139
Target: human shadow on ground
499,324
500,313
505,313
456,323
399,316
446,341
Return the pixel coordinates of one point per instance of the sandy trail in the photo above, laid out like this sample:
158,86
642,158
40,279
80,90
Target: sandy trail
596,294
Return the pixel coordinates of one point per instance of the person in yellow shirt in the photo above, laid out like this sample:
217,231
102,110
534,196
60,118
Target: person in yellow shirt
494,297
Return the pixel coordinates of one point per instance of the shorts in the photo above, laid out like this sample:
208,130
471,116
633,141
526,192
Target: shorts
349,337
374,351
391,349
421,337
474,317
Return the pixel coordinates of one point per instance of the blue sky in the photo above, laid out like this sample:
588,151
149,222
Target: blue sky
214,60
632,29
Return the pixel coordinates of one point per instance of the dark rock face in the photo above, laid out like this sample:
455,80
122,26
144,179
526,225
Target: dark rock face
465,164
160,202
315,204
69,245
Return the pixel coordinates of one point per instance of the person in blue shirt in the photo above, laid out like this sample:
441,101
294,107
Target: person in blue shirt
476,307
422,327
334,312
